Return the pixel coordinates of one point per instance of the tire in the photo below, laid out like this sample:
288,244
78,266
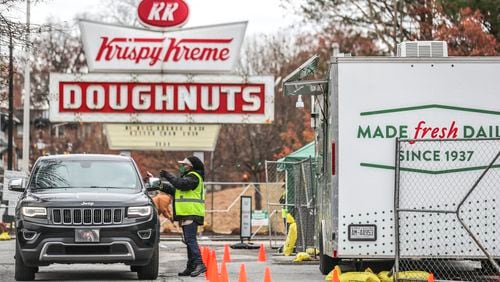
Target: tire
134,268
150,270
23,272
326,263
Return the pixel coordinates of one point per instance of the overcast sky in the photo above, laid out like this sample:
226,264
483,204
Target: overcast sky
263,15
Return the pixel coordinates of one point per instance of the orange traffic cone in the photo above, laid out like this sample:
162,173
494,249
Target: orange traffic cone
335,276
223,273
227,256
213,276
430,278
262,253
243,274
267,275
208,256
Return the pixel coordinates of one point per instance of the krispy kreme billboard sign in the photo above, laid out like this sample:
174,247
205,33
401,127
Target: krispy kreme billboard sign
112,48
161,98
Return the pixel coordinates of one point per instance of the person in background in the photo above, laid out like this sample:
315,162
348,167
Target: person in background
188,193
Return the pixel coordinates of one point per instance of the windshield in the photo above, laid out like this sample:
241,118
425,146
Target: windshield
54,174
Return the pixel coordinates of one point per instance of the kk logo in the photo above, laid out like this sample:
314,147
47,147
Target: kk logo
163,14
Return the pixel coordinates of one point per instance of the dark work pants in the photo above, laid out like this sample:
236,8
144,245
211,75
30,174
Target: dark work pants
193,250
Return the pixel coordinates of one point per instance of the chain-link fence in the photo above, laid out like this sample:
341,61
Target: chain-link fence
223,206
447,201
299,197
277,176
222,213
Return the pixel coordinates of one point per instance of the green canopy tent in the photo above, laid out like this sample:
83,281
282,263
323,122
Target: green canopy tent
300,191
294,177
306,152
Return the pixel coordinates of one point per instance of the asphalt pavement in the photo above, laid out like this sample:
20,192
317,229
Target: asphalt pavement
172,260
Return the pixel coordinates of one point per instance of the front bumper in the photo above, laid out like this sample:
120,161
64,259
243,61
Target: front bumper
118,244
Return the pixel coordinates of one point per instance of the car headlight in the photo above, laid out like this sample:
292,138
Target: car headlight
34,212
139,211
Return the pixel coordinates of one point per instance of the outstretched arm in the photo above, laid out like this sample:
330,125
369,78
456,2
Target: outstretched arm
189,182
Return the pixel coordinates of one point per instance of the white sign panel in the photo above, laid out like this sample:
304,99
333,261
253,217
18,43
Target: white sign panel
162,137
161,98
11,210
260,218
246,217
112,48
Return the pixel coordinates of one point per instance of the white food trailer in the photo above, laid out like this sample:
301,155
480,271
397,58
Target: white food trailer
369,103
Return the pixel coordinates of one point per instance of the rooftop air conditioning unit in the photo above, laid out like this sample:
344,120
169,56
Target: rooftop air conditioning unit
424,49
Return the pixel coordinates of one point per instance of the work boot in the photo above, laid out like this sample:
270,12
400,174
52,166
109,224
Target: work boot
186,271
198,269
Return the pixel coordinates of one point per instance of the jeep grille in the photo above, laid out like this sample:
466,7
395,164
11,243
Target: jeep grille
87,216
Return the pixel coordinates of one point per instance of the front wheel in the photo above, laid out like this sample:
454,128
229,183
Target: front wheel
23,272
150,270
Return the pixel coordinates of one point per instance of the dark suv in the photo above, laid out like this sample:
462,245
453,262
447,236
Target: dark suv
85,209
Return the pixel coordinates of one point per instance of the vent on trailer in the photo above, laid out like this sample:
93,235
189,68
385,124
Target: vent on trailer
425,49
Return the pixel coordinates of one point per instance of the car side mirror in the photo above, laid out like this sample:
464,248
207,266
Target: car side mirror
17,184
153,184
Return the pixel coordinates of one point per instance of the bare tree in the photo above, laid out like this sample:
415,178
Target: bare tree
121,12
55,50
390,21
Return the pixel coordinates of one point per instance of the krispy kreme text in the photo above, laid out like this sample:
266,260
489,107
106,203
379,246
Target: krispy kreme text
158,50
161,98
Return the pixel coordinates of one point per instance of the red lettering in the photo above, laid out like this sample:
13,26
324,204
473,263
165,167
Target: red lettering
108,47
435,132
421,131
224,54
180,50
153,50
417,129
453,132
163,98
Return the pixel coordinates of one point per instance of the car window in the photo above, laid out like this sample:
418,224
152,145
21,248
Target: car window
84,174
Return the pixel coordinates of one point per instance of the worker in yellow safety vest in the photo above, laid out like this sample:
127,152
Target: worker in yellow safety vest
188,192
284,208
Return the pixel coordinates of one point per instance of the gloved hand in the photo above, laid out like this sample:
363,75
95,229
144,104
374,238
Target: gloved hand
168,188
148,175
163,174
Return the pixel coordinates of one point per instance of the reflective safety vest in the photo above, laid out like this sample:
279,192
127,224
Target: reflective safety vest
191,202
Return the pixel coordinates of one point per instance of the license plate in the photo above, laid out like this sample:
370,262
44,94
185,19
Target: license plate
362,232
87,236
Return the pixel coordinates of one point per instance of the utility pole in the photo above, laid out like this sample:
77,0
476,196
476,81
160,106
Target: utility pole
395,26
10,123
11,100
27,95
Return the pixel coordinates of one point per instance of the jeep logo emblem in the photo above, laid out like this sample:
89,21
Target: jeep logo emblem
87,203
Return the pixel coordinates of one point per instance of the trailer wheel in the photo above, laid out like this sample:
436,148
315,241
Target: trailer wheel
326,262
